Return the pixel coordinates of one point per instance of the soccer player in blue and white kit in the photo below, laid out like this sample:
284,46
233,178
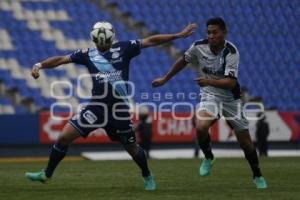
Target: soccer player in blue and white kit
220,94
109,65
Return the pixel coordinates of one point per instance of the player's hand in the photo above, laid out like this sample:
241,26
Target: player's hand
202,81
35,71
159,82
188,30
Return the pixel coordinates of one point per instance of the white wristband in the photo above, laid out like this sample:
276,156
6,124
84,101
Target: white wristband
39,65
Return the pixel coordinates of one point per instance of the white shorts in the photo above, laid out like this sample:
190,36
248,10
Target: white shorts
232,111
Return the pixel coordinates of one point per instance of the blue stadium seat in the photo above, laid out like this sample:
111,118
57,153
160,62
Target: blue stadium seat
264,32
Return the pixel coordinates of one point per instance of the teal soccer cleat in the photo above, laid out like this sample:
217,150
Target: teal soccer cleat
149,183
205,167
37,176
260,182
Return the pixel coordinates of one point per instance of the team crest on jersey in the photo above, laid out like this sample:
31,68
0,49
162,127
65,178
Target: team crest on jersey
115,55
90,117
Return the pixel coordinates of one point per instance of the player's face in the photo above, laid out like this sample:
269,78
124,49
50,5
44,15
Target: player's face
104,48
215,35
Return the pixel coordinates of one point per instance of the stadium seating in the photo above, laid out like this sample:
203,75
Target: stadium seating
34,30
265,33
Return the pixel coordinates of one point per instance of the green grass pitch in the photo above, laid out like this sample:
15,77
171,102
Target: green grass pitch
176,180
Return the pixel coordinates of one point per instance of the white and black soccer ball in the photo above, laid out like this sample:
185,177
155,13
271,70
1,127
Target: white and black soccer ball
103,34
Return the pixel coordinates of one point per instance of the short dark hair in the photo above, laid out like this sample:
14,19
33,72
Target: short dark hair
217,21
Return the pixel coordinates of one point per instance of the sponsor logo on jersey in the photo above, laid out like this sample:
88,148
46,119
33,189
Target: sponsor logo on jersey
209,71
124,131
104,77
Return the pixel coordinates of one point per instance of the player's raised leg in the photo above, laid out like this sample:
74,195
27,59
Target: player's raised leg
246,144
204,121
139,156
57,153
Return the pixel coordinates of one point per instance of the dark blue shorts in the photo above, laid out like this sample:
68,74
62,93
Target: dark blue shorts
117,125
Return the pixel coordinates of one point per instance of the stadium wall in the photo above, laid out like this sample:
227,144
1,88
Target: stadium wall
44,129
19,129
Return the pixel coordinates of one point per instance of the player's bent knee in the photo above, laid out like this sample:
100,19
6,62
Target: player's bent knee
202,126
63,140
202,129
68,135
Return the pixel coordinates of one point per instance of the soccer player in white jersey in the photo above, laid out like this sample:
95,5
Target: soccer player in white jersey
220,94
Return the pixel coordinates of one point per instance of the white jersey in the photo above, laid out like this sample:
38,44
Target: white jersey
225,64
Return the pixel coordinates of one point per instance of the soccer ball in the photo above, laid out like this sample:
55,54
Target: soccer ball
103,34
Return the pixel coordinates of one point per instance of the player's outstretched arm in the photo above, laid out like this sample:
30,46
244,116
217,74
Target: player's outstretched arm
176,67
163,38
48,64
